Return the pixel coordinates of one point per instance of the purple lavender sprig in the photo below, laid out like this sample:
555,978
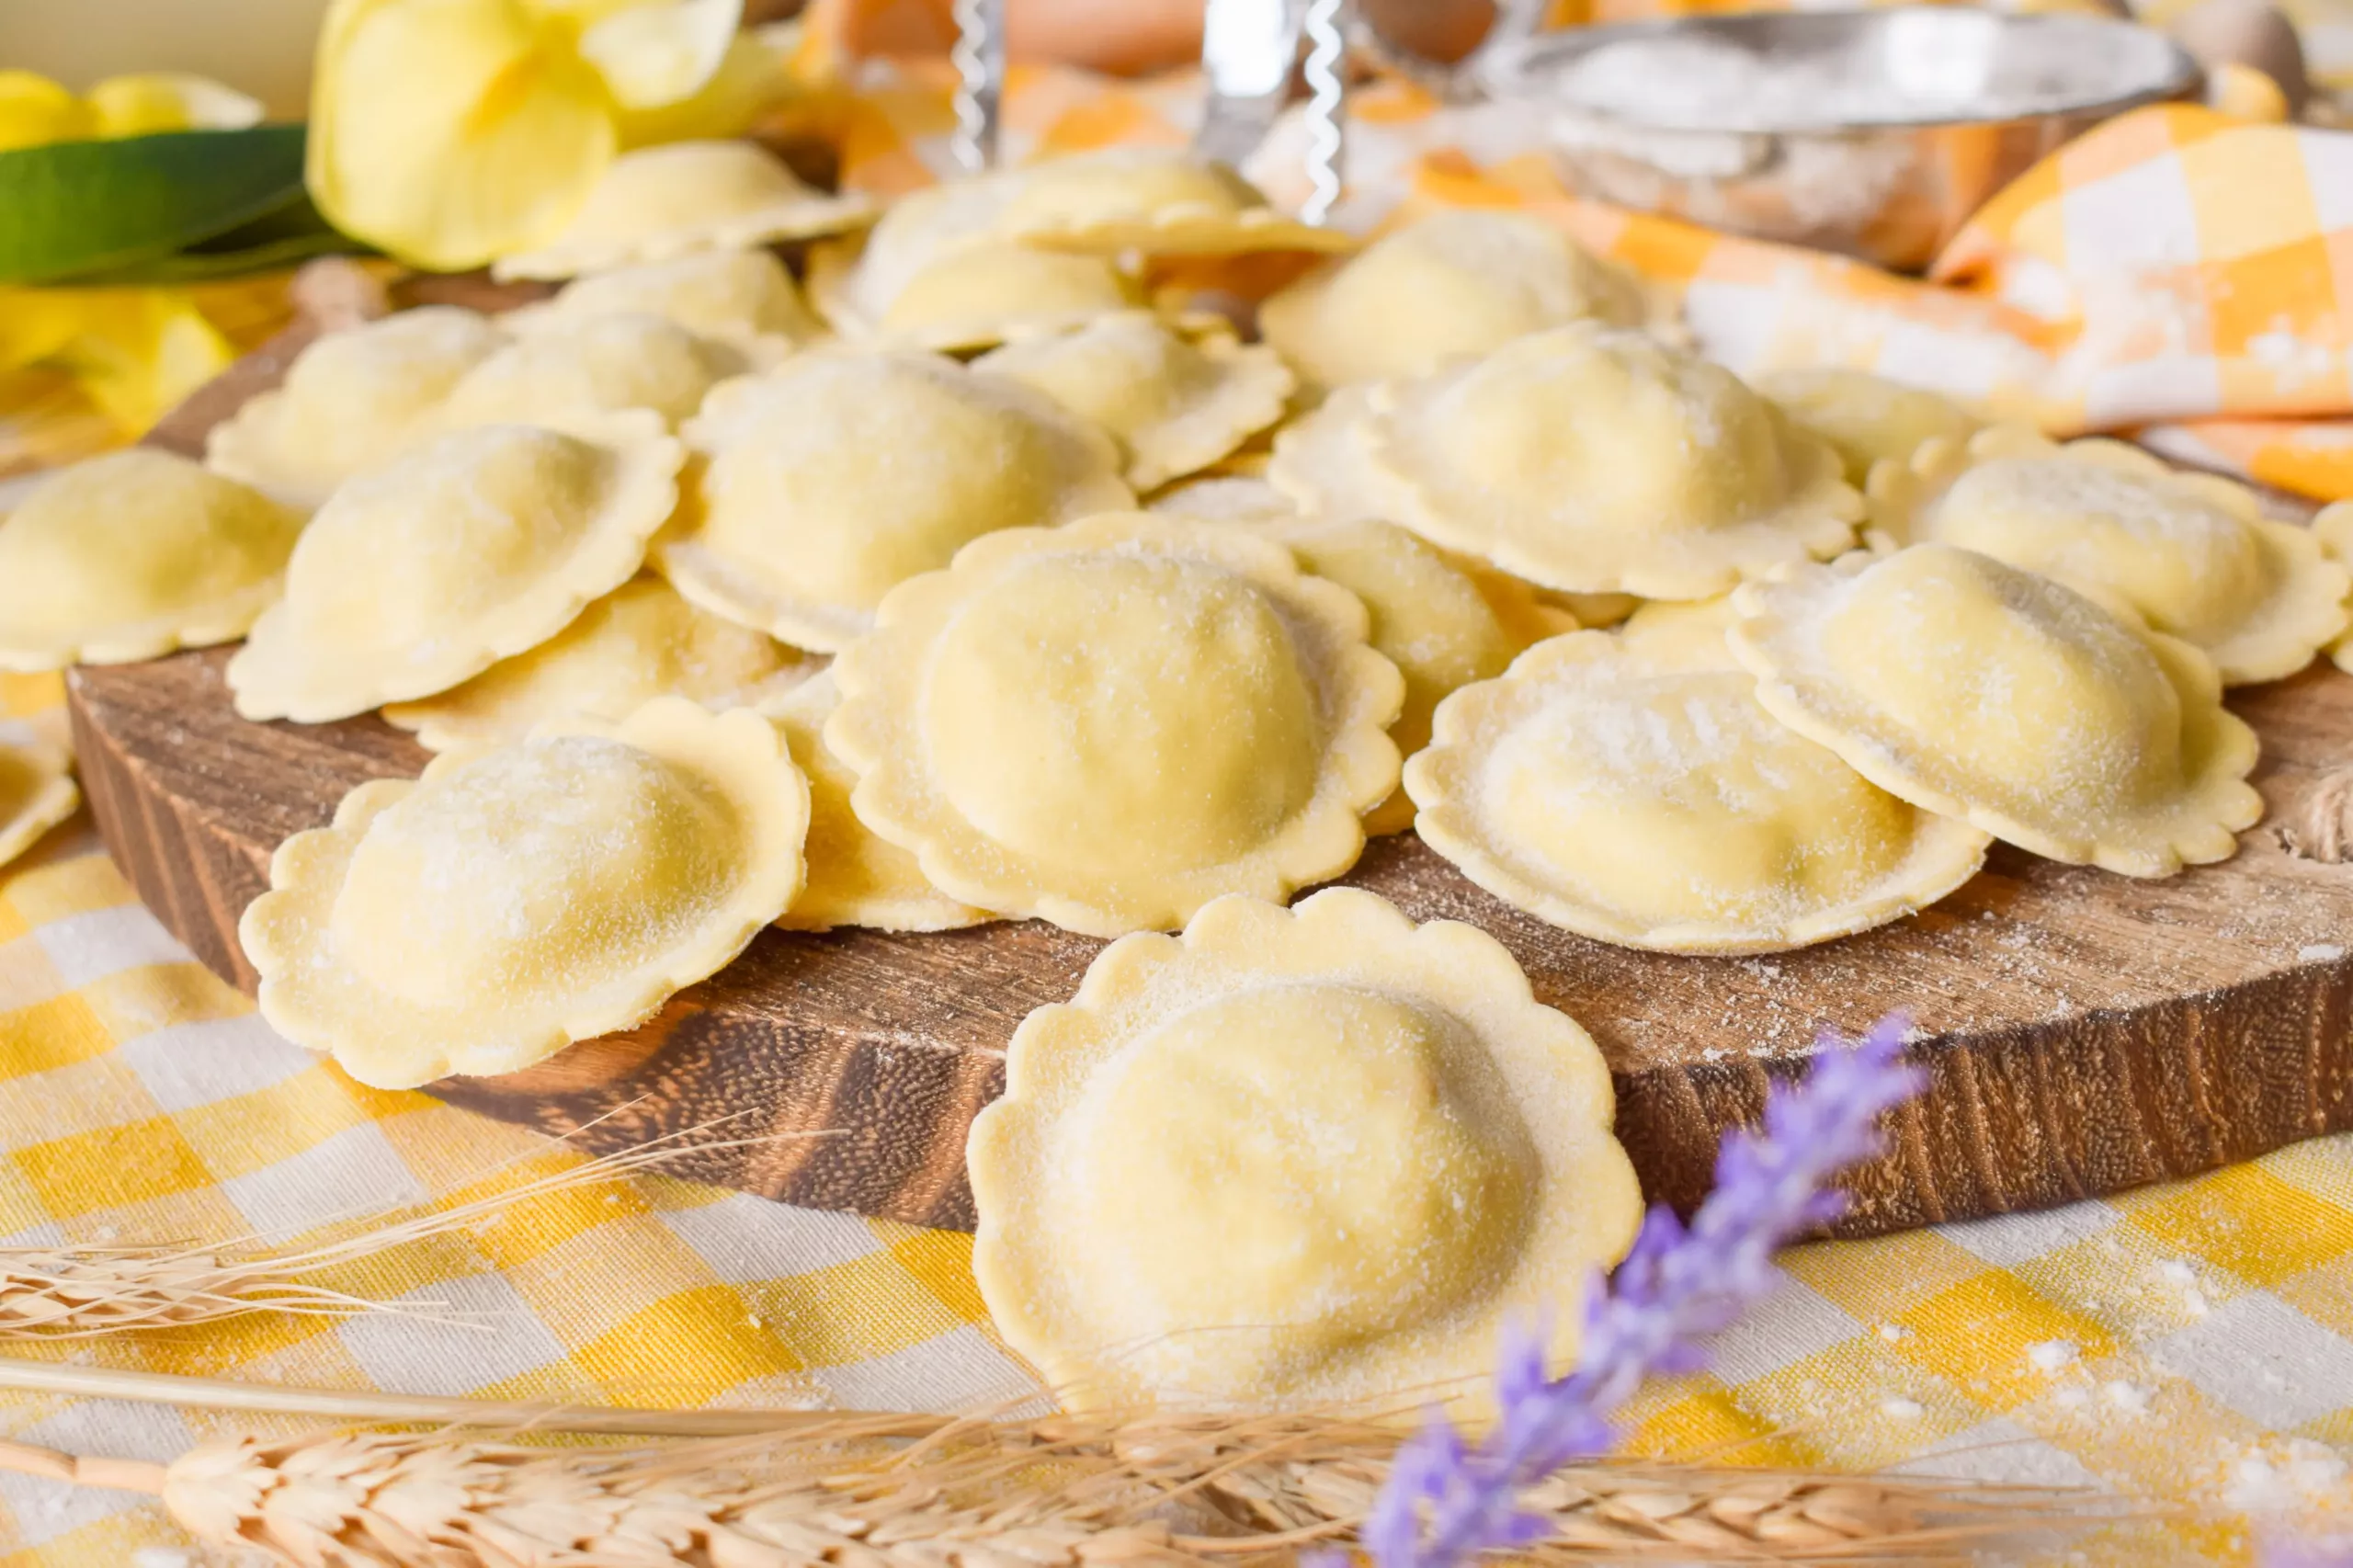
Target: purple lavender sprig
1446,1500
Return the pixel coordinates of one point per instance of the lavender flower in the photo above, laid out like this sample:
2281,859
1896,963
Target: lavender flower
1446,1501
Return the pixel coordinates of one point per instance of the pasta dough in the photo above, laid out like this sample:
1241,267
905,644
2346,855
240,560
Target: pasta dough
351,400
2191,553
591,365
1176,405
133,554
742,298
640,642
475,547
834,478
1110,723
683,197
37,792
2333,529
1867,419
1322,462
575,880
1652,803
1158,201
1295,1157
1592,460
1461,281
1977,690
856,878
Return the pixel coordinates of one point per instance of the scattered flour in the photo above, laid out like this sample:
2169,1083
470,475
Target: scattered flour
2295,1477
2320,952
2176,1273
160,1557
1901,1409
2129,1398
2051,1356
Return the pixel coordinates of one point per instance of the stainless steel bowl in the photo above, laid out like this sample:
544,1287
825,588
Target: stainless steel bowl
1889,181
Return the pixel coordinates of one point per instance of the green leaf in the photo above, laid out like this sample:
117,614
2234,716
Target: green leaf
75,208
294,233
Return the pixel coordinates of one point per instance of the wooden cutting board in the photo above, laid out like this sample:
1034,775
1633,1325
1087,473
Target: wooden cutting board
2084,1032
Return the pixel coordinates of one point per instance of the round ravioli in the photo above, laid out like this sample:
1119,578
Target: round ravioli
853,280
351,400
475,547
638,642
1867,419
1175,404
2333,529
972,295
1322,462
682,198
1593,459
575,881
1655,804
591,365
37,792
744,299
1110,723
831,480
133,554
1978,690
1295,1157
1691,635
2192,553
1444,623
1461,281
1158,200
856,877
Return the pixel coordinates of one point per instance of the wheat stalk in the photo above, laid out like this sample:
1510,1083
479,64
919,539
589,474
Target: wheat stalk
897,1491
85,1292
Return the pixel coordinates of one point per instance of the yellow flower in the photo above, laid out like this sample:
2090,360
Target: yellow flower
449,132
133,353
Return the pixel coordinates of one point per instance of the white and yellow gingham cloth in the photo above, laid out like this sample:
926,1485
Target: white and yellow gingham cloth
2191,1344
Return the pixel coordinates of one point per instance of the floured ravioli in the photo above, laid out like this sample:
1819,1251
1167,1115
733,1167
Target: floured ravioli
1225,498
1593,459
1655,804
1444,623
1462,282
975,296
638,642
1110,723
475,547
1978,690
1158,200
2192,553
133,554
1692,635
351,400
835,477
853,280
1867,419
683,197
856,878
1295,1157
575,881
1175,404
742,298
591,365
37,792
1322,462
2333,529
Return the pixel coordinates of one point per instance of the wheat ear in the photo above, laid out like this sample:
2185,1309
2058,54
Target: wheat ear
86,1292
882,1491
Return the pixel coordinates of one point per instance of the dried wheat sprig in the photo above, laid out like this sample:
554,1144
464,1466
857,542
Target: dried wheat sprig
894,1491
74,1292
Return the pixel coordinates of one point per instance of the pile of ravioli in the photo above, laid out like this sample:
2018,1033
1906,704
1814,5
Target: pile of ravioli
994,565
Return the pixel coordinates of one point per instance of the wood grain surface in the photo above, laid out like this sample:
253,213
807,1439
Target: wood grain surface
2084,1032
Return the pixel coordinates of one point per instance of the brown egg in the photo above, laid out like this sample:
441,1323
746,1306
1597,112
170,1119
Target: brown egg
2247,32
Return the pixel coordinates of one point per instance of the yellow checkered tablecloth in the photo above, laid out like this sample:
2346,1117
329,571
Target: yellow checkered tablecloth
2191,1345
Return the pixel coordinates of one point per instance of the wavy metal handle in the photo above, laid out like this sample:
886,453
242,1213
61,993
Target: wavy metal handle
979,58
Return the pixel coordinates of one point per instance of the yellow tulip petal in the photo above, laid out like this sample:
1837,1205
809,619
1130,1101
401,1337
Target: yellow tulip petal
138,352
653,56
451,131
36,324
34,109
150,101
754,76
